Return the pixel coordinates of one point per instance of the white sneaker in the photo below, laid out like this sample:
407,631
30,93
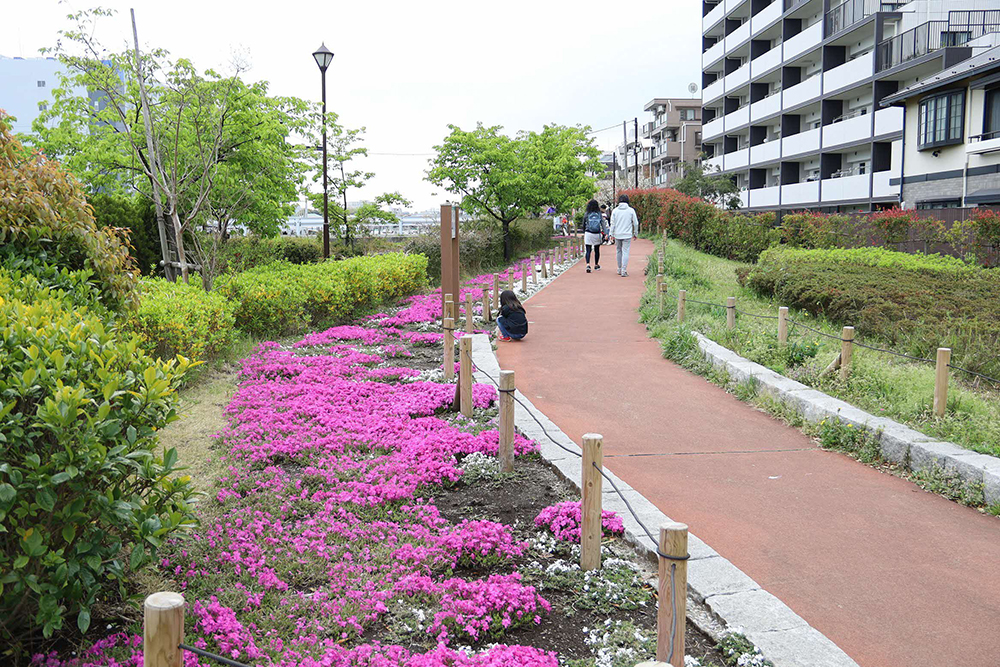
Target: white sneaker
618,271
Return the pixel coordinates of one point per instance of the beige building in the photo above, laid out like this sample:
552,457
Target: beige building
672,137
950,152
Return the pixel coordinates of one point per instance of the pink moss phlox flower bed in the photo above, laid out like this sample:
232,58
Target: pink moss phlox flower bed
563,519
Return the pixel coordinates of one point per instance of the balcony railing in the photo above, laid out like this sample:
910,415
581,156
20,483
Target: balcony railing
851,114
850,12
961,28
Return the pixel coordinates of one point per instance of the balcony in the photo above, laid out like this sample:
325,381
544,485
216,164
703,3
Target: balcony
713,53
850,73
713,91
713,16
848,130
797,194
767,61
713,128
731,5
803,92
738,79
738,36
881,187
765,196
765,107
848,13
737,119
983,143
768,151
713,164
847,187
888,121
803,142
738,159
766,16
807,40
744,198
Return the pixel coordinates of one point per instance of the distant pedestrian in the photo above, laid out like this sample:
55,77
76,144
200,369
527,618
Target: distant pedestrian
512,322
624,228
606,216
595,227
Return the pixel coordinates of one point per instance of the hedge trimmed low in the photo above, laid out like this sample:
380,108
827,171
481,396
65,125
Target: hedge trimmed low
180,318
282,298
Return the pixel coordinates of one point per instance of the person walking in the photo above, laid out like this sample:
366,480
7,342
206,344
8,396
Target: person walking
624,228
606,217
594,229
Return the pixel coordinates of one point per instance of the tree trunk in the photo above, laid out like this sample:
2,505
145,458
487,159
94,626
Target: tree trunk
508,242
179,238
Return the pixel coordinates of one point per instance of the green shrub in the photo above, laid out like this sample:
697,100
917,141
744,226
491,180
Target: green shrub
84,498
242,253
284,298
480,244
44,217
136,214
179,318
916,303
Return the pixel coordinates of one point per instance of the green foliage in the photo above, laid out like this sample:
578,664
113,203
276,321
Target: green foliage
481,245
242,253
181,318
44,220
134,213
712,187
283,298
85,500
506,178
739,651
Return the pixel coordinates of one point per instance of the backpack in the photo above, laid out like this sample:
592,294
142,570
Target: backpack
594,223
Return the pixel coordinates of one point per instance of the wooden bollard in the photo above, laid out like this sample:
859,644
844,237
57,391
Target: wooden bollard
590,521
846,348
552,263
465,375
541,263
671,613
487,315
163,630
730,312
510,279
469,313
534,276
783,325
449,349
659,291
681,304
941,381
496,291
449,306
506,453
524,277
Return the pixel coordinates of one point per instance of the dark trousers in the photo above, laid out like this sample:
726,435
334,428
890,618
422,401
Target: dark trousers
597,254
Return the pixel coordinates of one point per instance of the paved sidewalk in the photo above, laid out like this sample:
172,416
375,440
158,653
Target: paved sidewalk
895,576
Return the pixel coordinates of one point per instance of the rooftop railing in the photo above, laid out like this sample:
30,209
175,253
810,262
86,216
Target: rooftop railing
961,28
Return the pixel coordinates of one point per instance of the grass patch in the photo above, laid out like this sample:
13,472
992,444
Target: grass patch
880,384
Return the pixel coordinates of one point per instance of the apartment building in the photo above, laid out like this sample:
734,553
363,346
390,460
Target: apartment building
951,136
26,86
672,138
793,92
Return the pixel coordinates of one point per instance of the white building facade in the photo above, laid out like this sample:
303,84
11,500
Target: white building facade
26,86
793,91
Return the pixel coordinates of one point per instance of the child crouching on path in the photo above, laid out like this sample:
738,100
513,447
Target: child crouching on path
512,322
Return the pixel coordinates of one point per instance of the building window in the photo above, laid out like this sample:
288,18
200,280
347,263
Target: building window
41,84
942,119
991,114
938,203
687,114
43,106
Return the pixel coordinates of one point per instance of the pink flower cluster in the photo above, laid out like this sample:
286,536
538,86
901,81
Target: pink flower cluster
563,519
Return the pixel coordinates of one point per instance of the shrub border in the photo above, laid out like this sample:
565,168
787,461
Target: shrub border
731,596
899,444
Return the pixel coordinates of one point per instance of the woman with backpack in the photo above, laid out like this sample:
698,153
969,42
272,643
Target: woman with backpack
594,229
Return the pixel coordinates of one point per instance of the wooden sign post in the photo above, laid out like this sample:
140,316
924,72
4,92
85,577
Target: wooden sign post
449,252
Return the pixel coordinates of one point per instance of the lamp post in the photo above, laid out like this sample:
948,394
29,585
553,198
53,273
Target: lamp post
324,57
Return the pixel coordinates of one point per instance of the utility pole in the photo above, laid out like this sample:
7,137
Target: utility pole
614,175
635,150
625,149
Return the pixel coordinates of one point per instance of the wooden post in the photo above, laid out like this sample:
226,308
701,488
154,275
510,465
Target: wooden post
487,315
524,277
681,303
941,381
163,630
659,291
496,291
449,306
671,613
450,263
846,347
552,263
783,325
590,521
465,374
545,273
731,312
506,453
510,278
534,276
449,349
469,312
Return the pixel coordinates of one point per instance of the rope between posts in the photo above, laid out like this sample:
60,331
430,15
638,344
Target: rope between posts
760,317
211,656
897,354
978,375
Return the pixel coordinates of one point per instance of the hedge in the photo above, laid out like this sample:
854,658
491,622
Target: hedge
916,302
180,318
480,244
283,298
242,253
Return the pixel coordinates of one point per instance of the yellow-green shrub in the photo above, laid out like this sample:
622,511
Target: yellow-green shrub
180,318
284,298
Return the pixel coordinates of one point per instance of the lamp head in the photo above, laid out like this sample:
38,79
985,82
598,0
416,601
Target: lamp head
323,57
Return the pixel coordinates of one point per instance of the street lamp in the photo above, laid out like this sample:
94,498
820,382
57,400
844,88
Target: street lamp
324,57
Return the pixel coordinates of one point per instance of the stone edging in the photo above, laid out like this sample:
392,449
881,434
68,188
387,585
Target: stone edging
898,443
733,597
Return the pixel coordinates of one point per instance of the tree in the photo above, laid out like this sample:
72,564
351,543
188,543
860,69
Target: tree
343,146
713,187
200,145
505,178
376,212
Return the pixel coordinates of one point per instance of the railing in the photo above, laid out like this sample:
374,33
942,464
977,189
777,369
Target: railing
792,4
961,28
985,136
848,13
863,111
849,171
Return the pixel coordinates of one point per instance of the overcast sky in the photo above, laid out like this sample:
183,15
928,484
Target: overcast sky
405,70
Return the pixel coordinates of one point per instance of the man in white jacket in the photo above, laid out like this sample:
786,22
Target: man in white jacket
624,228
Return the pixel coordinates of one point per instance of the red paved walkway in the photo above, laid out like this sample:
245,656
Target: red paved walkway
893,575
